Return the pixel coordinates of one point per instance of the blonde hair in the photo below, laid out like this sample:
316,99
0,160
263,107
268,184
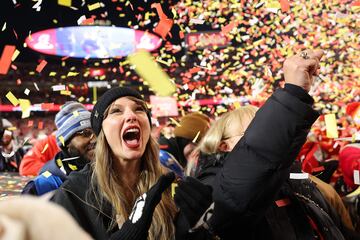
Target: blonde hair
110,187
223,128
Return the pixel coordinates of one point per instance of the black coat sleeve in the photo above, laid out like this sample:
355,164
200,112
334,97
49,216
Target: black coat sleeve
72,195
254,171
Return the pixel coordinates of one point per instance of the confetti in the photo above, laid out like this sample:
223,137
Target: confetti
15,55
46,174
25,106
150,71
5,59
4,27
165,24
76,113
45,148
37,5
14,101
26,91
41,66
299,175
62,140
94,6
58,88
331,126
65,92
66,3
356,177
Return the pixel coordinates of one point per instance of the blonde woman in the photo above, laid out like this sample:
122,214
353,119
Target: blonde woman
124,184
220,139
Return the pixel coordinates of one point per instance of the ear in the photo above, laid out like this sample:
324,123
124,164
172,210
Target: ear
223,147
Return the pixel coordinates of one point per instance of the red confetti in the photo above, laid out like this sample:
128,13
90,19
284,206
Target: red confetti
282,202
41,66
5,60
285,6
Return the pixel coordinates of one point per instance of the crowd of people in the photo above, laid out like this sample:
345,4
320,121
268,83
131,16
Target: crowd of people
251,173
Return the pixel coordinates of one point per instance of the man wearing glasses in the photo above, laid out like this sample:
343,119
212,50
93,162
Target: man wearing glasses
77,143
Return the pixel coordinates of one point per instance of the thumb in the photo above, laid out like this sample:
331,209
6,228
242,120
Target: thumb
318,53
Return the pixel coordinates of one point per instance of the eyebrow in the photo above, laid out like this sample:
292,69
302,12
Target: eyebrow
119,105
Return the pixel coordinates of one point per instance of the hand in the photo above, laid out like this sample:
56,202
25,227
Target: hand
193,198
300,69
138,224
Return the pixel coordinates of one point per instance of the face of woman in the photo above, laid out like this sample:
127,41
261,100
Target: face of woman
127,129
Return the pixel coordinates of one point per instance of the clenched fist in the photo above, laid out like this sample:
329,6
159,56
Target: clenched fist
300,69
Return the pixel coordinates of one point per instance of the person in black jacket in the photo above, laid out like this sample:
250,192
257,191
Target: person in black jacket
119,196
258,165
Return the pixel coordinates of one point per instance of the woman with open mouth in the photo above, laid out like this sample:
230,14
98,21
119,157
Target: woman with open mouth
120,195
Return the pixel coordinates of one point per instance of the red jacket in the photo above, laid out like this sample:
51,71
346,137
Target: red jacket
36,157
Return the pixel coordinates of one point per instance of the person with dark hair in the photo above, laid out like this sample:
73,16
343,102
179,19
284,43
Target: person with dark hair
11,153
76,140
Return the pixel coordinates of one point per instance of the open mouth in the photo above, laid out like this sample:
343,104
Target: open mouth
131,137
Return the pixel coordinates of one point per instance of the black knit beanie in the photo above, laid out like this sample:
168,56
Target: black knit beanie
97,114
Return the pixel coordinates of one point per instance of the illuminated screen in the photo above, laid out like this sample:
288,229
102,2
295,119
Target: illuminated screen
92,41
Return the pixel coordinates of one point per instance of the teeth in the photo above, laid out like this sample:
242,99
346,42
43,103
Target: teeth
133,130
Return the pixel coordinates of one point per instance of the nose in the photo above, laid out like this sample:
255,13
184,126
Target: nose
130,116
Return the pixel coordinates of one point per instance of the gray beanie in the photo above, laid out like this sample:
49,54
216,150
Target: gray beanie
73,118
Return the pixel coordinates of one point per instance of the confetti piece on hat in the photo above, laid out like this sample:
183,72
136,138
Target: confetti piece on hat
5,59
151,72
40,125
196,137
25,106
94,6
62,140
81,99
45,148
27,91
75,113
15,55
331,126
175,122
41,66
14,101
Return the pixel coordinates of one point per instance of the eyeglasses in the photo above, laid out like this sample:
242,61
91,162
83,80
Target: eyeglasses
88,133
